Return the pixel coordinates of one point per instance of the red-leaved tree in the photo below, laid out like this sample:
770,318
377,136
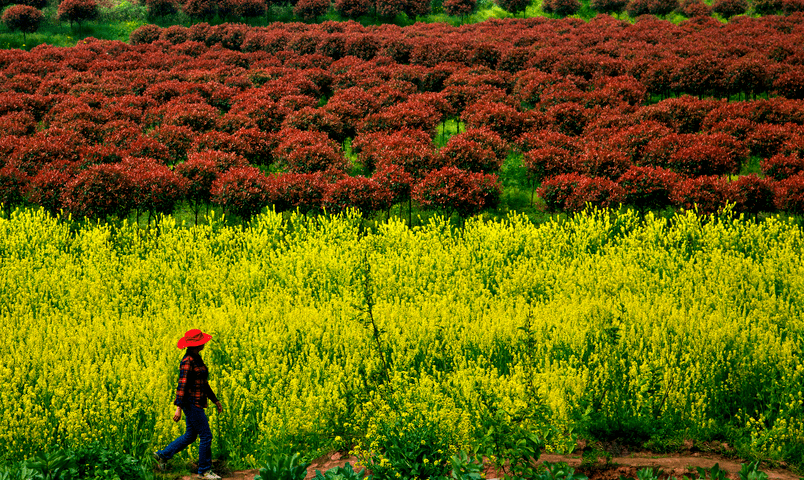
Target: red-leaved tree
360,193
22,18
451,189
100,191
707,194
241,191
78,11
648,187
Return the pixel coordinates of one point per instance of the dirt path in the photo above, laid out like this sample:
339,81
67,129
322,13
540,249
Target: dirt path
627,466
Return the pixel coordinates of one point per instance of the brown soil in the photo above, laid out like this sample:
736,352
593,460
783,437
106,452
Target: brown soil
625,466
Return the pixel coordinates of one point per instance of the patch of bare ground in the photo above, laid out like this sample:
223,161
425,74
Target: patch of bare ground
624,465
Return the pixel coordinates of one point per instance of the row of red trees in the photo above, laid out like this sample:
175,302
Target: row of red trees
565,97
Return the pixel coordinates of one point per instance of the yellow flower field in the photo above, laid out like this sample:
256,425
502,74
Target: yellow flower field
657,328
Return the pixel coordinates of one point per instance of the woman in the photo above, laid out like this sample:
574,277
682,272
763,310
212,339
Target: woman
192,394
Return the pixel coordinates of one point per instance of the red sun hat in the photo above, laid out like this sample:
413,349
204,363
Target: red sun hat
193,338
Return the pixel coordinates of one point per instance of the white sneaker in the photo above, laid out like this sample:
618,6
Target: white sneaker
209,475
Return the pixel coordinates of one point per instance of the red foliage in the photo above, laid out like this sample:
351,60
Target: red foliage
504,120
569,118
648,187
548,161
395,179
200,9
302,191
603,159
145,34
13,183
77,11
352,8
241,191
389,8
475,150
791,83
266,113
310,9
318,119
695,8
45,188
99,191
459,8
18,124
751,194
765,140
176,139
301,151
412,150
562,8
22,18
454,190
707,194
790,194
200,173
556,190
782,166
361,193
156,188
414,115
160,8
148,147
600,192
730,8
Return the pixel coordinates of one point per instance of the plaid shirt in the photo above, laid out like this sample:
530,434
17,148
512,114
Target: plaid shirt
193,386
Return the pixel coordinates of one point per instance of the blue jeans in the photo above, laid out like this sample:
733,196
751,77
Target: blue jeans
197,426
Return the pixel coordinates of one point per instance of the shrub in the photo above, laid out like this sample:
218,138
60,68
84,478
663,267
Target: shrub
145,34
603,160
475,150
223,160
609,6
767,7
765,140
548,161
410,114
161,8
562,8
454,190
730,8
790,84
600,192
751,194
502,119
200,117
200,9
395,179
156,188
13,183
459,8
695,8
569,118
699,159
99,191
302,151
22,18
78,11
352,8
388,9
361,193
707,194
556,190
648,187
782,166
176,139
302,191
45,188
200,173
410,149
241,191
514,6
309,10
790,194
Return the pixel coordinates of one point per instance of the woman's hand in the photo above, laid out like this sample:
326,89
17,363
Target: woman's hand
177,415
219,407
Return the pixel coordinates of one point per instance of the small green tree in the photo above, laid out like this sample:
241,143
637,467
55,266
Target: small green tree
22,18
